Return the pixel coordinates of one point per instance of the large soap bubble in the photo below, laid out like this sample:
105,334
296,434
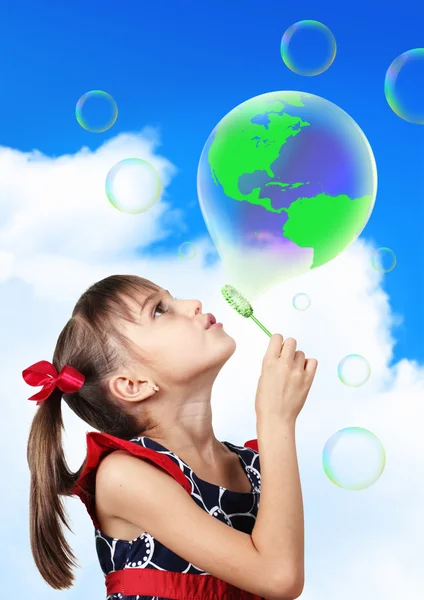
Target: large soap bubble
133,186
353,458
286,181
404,86
308,48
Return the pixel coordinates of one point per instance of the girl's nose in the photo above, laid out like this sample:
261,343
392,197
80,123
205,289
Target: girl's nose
197,306
188,306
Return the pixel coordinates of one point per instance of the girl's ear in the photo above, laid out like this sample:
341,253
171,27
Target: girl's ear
129,388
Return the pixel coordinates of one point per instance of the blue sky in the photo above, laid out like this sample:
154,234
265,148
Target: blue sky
181,66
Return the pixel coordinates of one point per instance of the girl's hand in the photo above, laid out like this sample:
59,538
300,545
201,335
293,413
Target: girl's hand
285,380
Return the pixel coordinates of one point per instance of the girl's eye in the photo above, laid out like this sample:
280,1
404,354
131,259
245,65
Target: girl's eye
160,307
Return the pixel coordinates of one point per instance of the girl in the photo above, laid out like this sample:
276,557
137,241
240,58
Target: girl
138,366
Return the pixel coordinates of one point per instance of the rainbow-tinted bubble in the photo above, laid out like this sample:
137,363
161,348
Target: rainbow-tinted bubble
354,370
404,86
353,458
383,260
301,301
308,48
96,111
133,186
187,250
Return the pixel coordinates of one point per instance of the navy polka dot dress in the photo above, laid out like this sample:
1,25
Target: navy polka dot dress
144,563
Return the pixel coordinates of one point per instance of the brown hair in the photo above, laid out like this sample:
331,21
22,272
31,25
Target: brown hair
91,343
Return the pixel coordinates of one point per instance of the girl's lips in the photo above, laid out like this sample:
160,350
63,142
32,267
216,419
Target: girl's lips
215,325
210,320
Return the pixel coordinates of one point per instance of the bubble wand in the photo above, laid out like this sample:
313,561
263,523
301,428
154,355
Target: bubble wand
241,305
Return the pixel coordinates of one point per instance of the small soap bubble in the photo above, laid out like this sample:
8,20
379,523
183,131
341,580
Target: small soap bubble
404,88
187,250
96,111
383,260
301,301
133,186
354,370
353,458
308,48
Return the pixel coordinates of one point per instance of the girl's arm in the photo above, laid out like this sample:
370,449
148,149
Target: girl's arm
278,533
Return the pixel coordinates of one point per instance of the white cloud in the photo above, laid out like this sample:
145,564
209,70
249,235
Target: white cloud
59,235
6,266
58,206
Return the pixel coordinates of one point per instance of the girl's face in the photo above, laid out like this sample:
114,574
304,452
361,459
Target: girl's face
177,338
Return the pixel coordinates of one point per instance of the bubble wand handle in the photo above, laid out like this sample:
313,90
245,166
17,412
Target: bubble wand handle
260,325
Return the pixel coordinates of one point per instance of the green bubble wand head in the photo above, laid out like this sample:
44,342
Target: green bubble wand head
241,305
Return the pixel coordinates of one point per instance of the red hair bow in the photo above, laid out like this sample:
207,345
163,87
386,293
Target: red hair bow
69,380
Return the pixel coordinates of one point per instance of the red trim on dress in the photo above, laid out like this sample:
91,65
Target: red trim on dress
178,586
99,445
253,444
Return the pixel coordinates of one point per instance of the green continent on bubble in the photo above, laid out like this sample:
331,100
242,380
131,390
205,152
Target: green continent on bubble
325,223
251,147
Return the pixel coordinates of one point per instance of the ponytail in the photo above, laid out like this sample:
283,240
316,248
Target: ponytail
87,343
50,479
